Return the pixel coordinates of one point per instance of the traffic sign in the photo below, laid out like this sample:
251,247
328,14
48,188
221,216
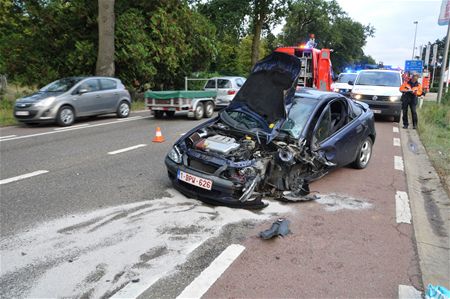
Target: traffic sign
414,66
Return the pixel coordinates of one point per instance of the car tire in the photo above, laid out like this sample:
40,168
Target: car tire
397,118
123,111
65,116
209,109
170,114
364,154
158,114
199,111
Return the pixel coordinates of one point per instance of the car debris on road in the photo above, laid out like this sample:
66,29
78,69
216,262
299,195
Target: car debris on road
278,228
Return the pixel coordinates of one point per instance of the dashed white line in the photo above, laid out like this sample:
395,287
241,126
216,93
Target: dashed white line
402,210
395,129
23,176
396,141
75,128
8,136
408,292
205,280
71,127
398,163
126,149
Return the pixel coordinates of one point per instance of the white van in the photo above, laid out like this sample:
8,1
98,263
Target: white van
380,89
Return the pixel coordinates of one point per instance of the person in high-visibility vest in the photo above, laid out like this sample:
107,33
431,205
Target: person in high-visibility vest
410,91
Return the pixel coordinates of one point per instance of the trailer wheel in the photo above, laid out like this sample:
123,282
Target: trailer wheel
159,114
209,109
199,111
170,114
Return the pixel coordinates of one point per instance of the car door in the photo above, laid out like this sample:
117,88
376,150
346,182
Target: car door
87,97
109,95
338,145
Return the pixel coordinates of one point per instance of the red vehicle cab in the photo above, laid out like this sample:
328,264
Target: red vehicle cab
315,68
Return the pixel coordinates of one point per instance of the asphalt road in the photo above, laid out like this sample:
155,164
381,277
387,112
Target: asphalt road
97,221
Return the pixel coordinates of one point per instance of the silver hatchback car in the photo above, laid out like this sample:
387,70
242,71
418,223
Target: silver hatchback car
64,100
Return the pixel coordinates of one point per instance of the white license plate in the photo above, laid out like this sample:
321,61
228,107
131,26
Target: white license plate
376,111
22,113
194,180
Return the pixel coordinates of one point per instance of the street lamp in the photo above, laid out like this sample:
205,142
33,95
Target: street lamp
415,34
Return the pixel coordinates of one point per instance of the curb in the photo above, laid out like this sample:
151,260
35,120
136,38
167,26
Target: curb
430,206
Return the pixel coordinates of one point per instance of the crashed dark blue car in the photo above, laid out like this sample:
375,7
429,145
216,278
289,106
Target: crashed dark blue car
271,141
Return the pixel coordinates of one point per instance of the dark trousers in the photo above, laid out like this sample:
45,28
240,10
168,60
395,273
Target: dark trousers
411,103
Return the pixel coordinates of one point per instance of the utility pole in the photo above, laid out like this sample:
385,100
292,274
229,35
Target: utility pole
415,34
444,65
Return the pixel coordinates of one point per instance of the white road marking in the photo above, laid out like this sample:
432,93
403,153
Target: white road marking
23,176
402,210
395,129
9,136
396,141
71,127
128,118
398,163
408,292
126,149
75,128
205,280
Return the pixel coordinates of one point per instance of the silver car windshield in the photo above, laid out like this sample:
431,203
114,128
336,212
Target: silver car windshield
298,116
344,78
378,78
61,85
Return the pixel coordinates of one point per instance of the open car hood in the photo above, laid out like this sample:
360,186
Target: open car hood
270,88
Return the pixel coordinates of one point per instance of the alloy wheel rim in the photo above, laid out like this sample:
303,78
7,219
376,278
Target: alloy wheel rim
365,153
67,116
199,110
209,109
124,109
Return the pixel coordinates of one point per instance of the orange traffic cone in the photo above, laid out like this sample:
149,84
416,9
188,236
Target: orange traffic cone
158,137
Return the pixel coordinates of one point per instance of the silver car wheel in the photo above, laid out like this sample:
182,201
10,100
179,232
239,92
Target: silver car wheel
67,116
199,111
124,109
365,153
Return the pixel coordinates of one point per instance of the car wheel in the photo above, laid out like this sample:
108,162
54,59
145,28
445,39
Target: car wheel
199,111
65,116
170,114
123,110
209,109
159,114
364,154
397,118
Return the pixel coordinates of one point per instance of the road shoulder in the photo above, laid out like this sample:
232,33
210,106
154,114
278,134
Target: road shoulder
430,207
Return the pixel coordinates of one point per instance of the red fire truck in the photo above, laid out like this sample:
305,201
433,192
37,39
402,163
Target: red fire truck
316,66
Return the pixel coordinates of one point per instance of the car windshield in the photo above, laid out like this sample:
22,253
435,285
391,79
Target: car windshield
221,83
378,78
298,116
61,85
241,120
344,78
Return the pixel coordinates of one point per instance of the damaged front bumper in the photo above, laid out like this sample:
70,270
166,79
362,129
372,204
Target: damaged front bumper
223,192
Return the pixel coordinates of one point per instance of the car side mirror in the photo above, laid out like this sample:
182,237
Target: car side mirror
351,82
82,90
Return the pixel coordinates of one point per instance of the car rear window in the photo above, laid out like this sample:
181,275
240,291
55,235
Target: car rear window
378,78
221,83
108,84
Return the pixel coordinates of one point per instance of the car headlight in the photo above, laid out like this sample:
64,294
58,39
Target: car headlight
45,102
336,89
357,96
175,155
394,98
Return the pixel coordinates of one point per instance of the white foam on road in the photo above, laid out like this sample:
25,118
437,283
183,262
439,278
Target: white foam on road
395,129
208,277
23,176
402,210
126,149
398,163
396,141
73,128
334,202
102,251
408,292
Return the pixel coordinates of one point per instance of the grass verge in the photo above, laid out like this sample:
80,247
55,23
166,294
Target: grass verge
434,131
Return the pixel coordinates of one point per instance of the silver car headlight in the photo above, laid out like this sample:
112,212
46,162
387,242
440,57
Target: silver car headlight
357,96
336,89
45,102
175,155
394,98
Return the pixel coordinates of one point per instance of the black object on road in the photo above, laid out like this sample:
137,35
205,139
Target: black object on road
278,228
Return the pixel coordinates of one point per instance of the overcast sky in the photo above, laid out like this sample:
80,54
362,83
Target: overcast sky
393,22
